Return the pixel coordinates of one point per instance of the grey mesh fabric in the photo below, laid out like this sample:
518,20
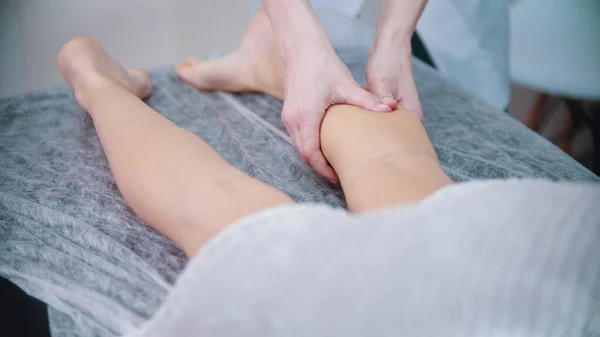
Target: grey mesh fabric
68,238
473,259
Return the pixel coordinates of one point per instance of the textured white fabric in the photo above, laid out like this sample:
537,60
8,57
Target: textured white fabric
488,258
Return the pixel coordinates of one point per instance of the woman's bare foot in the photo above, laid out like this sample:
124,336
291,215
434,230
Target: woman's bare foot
256,66
84,65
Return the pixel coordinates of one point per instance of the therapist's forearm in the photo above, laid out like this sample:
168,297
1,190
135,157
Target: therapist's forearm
296,26
398,20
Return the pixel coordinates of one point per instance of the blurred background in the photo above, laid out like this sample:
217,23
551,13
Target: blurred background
554,57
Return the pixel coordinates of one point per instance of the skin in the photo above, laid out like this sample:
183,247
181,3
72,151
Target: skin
259,59
315,78
182,188
175,182
313,75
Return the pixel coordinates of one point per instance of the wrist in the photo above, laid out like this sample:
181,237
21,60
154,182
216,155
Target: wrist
398,20
400,47
391,32
396,25
309,41
309,47
297,27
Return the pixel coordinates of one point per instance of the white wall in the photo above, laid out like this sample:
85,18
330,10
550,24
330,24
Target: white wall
141,33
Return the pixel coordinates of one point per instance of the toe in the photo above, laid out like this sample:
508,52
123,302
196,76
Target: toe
188,62
190,70
189,74
191,60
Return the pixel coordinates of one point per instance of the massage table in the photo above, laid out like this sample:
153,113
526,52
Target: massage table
68,238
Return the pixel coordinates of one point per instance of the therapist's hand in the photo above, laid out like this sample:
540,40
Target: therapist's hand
315,78
390,76
314,81
389,68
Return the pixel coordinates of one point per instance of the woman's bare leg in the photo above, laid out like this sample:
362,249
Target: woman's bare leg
382,159
172,179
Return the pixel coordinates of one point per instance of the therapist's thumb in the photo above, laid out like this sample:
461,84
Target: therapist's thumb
357,96
385,93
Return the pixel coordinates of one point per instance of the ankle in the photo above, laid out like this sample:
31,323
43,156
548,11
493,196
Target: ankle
268,79
87,87
268,85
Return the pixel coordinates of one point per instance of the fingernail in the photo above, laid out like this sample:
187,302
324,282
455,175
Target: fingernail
389,101
383,107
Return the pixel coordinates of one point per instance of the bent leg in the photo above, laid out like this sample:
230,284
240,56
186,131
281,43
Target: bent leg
382,159
172,179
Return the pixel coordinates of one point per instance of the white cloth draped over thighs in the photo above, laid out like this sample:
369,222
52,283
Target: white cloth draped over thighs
489,258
